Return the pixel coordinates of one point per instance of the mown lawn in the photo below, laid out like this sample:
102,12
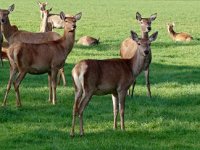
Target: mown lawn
169,120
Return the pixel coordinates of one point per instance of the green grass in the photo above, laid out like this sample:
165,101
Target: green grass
170,120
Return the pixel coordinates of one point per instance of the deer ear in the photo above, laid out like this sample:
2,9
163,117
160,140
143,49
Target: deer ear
153,37
62,15
134,36
38,2
50,9
46,3
173,24
11,8
138,16
78,16
153,17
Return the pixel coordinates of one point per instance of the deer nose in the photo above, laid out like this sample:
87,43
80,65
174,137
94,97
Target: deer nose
149,28
2,21
74,26
146,52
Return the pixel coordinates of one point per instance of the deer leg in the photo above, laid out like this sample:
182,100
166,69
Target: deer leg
130,91
147,82
84,101
115,109
54,79
59,77
78,95
122,96
50,87
63,76
10,81
20,77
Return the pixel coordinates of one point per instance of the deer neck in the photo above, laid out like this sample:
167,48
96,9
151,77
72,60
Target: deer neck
43,27
68,40
8,30
172,32
137,63
145,35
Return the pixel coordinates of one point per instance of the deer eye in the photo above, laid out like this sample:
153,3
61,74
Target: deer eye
139,43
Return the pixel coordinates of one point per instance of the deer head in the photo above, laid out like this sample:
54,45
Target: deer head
144,44
46,12
145,23
70,22
42,6
4,13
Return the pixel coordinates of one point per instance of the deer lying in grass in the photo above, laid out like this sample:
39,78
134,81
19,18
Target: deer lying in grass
45,27
46,57
110,76
178,36
53,19
12,34
88,41
129,47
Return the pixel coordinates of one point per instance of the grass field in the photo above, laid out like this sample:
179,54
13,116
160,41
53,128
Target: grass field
169,120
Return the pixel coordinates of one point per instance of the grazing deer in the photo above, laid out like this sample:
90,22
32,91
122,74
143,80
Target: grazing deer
42,8
46,57
129,47
53,19
45,27
12,34
88,41
178,36
110,76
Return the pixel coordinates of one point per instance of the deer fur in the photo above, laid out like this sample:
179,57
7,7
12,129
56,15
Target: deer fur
12,34
178,36
129,47
88,41
41,58
109,76
45,27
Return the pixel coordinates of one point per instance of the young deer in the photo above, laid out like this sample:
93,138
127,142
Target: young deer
12,34
110,76
88,41
53,19
42,8
178,36
41,58
45,27
129,47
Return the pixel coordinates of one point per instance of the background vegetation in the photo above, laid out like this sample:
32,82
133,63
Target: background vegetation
169,120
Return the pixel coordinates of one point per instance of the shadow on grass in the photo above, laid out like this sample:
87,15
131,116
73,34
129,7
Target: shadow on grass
175,44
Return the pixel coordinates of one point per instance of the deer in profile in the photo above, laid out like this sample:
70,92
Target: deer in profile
88,41
178,36
109,76
46,27
47,57
128,48
53,19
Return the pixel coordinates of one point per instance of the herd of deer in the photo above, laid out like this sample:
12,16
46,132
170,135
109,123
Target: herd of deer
46,52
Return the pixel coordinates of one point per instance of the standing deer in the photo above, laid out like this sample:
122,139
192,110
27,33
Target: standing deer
129,47
53,19
46,57
45,27
178,36
110,76
12,34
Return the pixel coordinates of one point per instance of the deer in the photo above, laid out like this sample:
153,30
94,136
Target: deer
47,57
109,76
88,41
13,34
53,19
128,48
45,27
178,36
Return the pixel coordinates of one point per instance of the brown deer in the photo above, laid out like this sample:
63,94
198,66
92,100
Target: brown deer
45,27
178,36
88,41
46,57
129,47
110,76
53,19
12,34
